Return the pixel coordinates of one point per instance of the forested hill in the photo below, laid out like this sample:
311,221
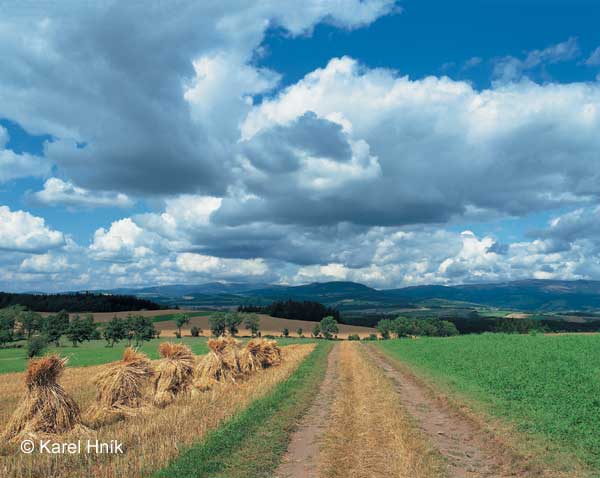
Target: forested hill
526,295
79,302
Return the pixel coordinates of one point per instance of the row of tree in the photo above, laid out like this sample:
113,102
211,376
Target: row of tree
230,322
294,310
135,328
77,302
18,323
406,327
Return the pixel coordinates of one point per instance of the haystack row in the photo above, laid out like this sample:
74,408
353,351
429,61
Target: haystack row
123,386
228,361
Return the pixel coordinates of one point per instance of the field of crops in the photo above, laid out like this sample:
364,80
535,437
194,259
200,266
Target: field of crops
155,408
547,385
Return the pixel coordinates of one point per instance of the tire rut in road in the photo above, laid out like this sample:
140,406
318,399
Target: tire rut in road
470,451
302,457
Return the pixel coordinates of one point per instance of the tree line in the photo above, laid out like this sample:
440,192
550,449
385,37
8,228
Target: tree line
77,302
438,327
294,310
476,324
18,323
230,323
407,327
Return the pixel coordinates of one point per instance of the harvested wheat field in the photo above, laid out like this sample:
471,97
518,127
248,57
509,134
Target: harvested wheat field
150,440
268,326
45,408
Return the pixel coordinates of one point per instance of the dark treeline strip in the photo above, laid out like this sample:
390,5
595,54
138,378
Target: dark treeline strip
294,310
478,325
79,302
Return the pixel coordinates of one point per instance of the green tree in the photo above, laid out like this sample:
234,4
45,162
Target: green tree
195,331
285,332
115,331
446,328
402,326
55,326
217,324
328,327
6,335
252,323
428,328
299,331
81,329
75,330
316,330
30,322
7,324
180,321
142,329
232,322
129,329
385,327
36,346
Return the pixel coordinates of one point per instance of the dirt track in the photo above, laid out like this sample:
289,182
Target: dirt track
468,450
371,412
302,456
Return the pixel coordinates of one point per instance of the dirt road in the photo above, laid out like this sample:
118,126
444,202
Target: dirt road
470,451
373,419
302,456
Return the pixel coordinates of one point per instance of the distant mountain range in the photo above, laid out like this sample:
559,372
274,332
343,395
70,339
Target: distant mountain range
523,295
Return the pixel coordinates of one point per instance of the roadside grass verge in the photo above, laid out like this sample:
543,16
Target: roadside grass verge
546,387
252,443
94,352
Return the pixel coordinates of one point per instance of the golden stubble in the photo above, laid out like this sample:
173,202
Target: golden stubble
369,434
151,439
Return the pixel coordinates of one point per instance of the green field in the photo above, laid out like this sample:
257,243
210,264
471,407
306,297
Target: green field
94,352
547,385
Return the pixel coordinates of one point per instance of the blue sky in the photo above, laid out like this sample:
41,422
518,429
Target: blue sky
391,143
430,34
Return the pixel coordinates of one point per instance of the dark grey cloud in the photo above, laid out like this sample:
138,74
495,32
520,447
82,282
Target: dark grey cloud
142,105
281,149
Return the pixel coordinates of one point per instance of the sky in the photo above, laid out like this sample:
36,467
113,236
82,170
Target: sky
392,143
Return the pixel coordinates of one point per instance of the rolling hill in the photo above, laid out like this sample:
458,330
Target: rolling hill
524,295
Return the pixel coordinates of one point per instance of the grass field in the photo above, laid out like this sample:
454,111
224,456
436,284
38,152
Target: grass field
94,352
251,444
548,386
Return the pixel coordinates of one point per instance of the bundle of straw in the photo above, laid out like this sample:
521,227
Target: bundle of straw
46,408
175,373
121,388
250,358
220,364
270,353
